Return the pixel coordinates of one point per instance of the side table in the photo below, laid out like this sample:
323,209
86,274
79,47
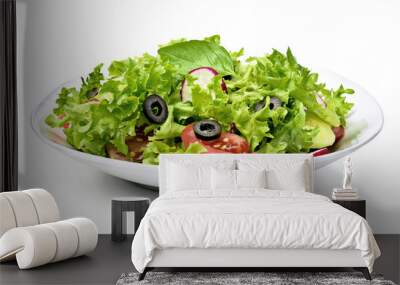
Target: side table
119,207
357,206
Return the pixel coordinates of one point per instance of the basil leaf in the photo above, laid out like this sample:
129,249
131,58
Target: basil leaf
188,55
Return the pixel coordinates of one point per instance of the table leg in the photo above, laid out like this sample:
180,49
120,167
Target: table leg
140,211
117,222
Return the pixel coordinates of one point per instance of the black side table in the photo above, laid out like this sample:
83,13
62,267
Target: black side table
357,206
119,207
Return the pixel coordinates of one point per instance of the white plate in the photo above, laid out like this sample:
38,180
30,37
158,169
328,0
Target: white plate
363,124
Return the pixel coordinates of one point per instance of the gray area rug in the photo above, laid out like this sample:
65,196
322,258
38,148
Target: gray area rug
269,278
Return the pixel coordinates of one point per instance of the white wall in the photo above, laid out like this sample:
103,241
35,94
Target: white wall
60,40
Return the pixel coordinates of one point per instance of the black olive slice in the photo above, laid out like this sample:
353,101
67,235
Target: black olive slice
260,105
155,109
207,130
92,93
274,103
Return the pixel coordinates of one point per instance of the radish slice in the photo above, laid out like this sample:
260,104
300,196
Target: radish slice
321,151
203,75
339,133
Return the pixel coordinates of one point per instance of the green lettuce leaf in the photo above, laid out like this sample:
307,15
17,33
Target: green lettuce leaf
183,111
310,101
169,129
252,125
211,102
293,136
336,102
92,83
155,148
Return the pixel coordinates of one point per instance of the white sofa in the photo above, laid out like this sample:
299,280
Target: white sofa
32,233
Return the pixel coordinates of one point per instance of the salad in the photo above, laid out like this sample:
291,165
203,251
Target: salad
194,96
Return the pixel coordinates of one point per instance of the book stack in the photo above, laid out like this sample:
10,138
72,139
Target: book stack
344,194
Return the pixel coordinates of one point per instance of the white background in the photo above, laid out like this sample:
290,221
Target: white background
60,40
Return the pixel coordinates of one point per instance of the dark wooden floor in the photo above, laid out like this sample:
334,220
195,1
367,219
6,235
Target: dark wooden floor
110,260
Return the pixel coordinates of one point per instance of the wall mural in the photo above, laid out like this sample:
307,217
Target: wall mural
195,96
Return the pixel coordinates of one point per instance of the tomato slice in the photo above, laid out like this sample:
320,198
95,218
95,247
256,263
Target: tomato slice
226,143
